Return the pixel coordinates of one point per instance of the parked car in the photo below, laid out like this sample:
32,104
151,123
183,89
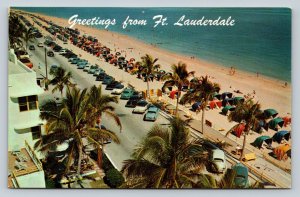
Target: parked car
101,76
117,90
113,85
40,44
107,79
82,60
98,71
31,47
27,62
73,58
141,106
75,61
133,100
82,65
62,51
50,53
241,176
87,67
53,67
92,69
127,93
151,114
217,161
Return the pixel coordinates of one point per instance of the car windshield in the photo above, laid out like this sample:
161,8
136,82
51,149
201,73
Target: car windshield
218,159
152,110
25,60
142,103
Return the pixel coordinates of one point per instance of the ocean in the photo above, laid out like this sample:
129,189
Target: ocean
260,40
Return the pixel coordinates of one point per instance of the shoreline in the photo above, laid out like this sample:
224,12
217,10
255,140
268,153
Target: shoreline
270,92
197,60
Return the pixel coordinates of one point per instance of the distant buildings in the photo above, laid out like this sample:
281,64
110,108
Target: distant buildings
24,125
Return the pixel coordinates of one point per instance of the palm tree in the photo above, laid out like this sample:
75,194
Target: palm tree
61,79
178,78
15,31
69,122
27,36
203,91
207,181
149,67
166,158
100,104
248,113
65,123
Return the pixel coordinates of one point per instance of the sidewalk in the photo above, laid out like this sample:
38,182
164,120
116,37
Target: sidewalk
260,166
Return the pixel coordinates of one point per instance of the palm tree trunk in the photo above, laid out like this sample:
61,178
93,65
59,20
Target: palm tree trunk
202,120
99,156
79,160
148,91
177,102
243,148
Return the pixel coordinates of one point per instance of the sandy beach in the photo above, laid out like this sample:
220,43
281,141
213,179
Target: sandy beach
269,92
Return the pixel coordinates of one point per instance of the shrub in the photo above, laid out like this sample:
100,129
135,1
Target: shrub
114,178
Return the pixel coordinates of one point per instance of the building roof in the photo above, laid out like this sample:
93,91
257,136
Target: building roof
21,163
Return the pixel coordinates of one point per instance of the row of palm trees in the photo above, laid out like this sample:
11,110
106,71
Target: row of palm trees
203,90
18,33
166,158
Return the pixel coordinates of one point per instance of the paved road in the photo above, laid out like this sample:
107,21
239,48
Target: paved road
134,128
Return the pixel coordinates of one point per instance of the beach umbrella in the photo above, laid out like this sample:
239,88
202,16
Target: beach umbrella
172,94
287,120
227,101
274,123
239,129
215,103
277,137
196,106
227,108
217,95
226,95
162,71
238,99
270,113
282,151
260,140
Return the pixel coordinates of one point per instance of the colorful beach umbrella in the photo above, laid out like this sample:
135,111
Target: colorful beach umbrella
275,123
270,113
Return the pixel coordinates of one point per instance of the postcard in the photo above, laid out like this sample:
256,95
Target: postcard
155,98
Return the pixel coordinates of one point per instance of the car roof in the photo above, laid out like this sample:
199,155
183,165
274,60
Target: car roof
152,109
217,153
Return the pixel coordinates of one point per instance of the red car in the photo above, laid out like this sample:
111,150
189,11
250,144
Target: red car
27,62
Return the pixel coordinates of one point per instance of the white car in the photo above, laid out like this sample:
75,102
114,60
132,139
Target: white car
40,44
218,161
141,107
63,51
87,68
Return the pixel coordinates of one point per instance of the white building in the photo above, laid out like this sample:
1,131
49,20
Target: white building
23,112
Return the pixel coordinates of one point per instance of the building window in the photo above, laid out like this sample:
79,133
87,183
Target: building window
36,132
27,103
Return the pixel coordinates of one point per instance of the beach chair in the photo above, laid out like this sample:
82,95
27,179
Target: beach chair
249,156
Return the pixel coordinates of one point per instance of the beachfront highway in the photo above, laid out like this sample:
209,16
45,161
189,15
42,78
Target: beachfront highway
134,129
133,126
